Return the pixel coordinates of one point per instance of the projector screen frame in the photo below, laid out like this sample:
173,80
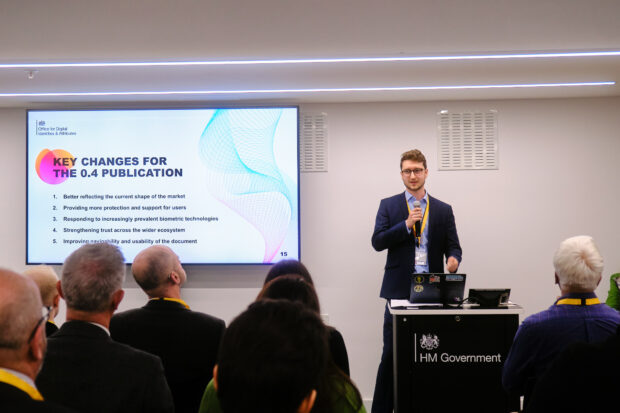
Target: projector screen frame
30,170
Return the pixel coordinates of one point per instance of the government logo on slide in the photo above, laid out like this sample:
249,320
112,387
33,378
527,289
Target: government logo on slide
48,167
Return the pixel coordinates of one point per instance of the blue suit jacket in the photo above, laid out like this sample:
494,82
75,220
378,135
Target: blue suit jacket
391,233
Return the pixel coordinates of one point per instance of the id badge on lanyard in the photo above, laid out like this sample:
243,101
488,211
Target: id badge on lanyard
420,257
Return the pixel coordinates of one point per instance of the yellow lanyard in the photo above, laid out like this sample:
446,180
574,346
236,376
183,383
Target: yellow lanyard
176,300
15,381
578,301
424,221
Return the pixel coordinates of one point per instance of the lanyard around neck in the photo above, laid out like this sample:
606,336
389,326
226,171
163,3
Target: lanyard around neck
176,300
424,221
13,380
578,301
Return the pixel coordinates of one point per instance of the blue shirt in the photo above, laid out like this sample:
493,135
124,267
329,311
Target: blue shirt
424,241
542,336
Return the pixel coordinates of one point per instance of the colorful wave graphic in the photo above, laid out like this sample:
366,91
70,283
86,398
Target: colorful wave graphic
46,169
237,150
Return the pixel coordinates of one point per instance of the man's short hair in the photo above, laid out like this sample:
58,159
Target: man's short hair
46,279
413,155
578,263
271,358
288,267
20,309
90,275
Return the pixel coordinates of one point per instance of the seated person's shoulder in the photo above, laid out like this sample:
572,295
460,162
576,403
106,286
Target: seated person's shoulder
130,356
207,319
128,313
126,316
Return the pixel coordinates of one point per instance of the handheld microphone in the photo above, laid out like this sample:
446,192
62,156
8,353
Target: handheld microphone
416,204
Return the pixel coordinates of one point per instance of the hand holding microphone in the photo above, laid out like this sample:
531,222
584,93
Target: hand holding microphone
415,217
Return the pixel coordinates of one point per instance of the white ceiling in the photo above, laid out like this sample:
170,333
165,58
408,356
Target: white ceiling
75,31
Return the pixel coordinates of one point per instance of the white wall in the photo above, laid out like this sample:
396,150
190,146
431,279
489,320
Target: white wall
557,178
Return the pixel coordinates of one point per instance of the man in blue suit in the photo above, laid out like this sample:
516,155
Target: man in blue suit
411,249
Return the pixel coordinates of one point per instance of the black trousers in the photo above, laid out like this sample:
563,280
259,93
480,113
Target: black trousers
383,399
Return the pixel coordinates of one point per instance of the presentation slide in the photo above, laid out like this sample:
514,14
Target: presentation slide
218,186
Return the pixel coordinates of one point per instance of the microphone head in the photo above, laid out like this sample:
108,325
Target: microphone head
416,204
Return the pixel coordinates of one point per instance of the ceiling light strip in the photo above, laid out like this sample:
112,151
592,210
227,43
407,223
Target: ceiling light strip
311,90
310,61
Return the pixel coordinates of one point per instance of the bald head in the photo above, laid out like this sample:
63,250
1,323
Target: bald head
46,279
157,269
20,309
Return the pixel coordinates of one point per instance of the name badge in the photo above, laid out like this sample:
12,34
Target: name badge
420,257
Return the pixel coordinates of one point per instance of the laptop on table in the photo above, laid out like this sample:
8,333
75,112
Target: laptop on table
437,289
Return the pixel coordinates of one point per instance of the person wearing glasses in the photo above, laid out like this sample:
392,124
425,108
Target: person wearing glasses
164,320
84,368
419,232
46,279
22,345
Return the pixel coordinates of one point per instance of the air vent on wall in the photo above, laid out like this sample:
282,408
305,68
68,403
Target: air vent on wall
467,140
313,142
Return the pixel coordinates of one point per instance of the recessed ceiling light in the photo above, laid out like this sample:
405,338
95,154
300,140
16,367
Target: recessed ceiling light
309,90
317,60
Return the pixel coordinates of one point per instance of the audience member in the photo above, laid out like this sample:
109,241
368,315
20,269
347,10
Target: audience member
335,392
337,346
22,345
46,279
577,315
187,341
342,394
84,368
583,378
286,267
613,295
271,359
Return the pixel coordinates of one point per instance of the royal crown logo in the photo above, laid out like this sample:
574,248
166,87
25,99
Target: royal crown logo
429,341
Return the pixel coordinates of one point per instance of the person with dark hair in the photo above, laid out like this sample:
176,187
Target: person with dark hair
287,267
343,395
84,368
419,233
336,392
187,341
271,359
22,345
291,290
337,347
